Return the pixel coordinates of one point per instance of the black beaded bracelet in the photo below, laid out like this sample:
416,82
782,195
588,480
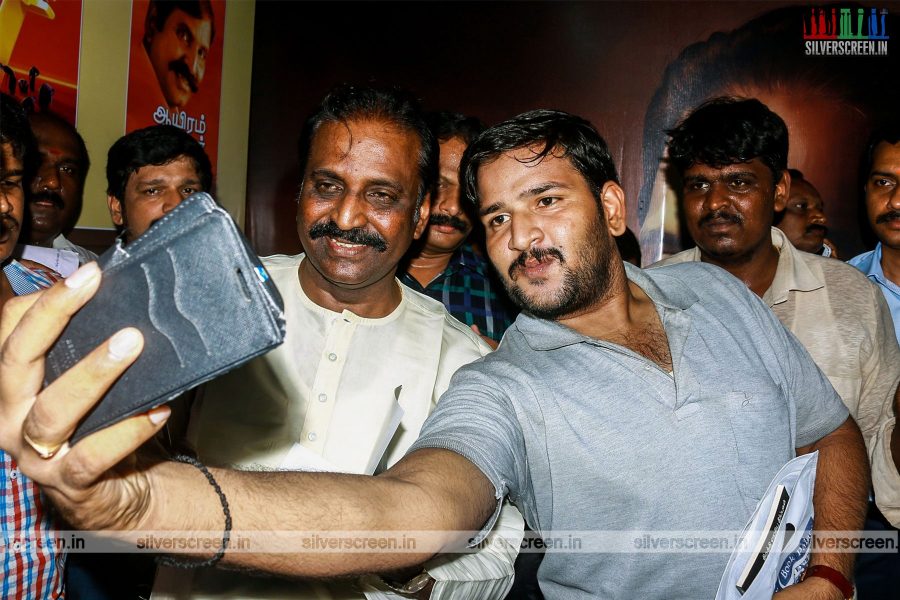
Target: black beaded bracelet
168,561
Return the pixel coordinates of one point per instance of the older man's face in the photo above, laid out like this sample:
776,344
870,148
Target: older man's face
12,199
178,54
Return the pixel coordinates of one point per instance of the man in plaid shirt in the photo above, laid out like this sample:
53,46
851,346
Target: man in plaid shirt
445,264
31,566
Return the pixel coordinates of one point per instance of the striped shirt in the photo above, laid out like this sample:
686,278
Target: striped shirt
31,567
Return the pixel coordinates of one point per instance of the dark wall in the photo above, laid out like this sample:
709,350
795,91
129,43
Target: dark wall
601,60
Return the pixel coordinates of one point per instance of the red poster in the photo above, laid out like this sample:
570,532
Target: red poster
175,68
39,47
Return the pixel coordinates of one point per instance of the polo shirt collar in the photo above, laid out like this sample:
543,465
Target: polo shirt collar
544,334
792,273
871,265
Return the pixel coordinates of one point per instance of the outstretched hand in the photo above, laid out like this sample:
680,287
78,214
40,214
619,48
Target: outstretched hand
96,484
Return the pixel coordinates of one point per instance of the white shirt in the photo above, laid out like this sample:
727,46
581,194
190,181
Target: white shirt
845,324
84,255
331,390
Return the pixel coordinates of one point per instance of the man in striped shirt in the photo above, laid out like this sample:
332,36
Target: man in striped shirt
31,567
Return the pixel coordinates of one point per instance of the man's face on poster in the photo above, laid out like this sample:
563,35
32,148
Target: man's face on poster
178,54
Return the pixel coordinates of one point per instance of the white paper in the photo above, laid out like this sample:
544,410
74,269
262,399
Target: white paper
64,262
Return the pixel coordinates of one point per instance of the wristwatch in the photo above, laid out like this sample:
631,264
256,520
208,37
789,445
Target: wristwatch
414,585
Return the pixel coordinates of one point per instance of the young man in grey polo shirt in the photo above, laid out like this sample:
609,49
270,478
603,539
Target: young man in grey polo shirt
620,400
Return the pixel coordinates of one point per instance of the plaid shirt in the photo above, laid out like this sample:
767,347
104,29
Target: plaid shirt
470,292
29,570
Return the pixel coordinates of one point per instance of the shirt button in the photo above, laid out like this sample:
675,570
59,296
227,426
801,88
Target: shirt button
332,357
311,436
14,474
323,398
17,546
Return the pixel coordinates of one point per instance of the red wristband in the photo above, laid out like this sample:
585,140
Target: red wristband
834,576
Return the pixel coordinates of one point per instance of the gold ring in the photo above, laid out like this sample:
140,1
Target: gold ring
45,451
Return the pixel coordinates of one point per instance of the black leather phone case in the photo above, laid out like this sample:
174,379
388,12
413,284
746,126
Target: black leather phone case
196,291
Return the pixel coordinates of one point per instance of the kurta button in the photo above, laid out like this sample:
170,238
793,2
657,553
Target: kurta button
332,357
322,397
311,436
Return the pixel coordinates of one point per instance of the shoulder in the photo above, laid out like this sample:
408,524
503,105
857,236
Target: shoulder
710,281
456,335
843,280
863,261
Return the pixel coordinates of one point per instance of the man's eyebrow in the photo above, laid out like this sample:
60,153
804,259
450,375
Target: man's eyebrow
887,174
540,189
12,172
492,208
326,173
397,187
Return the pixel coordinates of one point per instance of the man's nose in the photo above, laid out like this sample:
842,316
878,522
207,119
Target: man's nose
47,178
524,233
348,212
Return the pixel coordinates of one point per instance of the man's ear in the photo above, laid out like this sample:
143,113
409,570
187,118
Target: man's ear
115,210
612,199
782,191
424,211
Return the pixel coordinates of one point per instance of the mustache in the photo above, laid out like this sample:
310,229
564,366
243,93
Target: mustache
721,215
180,68
817,227
538,254
8,223
54,197
888,216
352,236
451,220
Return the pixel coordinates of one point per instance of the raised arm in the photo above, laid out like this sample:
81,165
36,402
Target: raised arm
100,484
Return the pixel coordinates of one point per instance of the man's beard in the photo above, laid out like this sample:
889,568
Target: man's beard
582,286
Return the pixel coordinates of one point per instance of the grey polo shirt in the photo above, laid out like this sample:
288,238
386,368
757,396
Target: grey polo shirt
587,435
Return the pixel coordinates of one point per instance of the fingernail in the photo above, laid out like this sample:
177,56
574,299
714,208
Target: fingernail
122,345
83,275
159,414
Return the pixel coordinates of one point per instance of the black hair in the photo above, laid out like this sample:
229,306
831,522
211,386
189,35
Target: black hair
16,131
555,132
447,125
347,102
156,145
725,131
84,160
888,132
158,13
796,175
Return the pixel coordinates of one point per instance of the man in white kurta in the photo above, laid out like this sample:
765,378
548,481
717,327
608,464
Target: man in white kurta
365,358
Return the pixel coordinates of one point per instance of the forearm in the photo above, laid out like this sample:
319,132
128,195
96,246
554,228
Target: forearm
294,518
841,492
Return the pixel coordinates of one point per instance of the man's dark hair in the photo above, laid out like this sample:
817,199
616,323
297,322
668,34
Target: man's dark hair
796,175
349,102
447,125
550,132
889,133
157,145
158,13
16,131
84,160
726,131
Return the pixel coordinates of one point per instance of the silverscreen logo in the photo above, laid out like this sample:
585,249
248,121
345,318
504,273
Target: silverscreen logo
837,31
